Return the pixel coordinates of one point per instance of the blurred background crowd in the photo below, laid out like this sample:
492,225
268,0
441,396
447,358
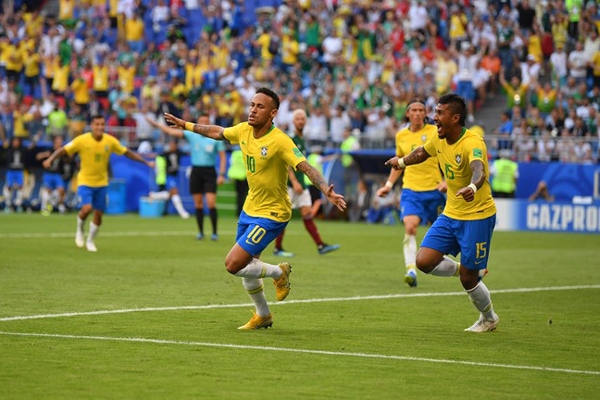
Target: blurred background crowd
529,70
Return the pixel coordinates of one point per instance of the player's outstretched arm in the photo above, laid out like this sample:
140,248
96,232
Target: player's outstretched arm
57,154
477,179
136,157
317,179
417,156
211,131
178,133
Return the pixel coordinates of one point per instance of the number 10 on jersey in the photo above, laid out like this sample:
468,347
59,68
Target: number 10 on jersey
250,163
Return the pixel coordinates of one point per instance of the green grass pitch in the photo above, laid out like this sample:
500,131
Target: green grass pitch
161,265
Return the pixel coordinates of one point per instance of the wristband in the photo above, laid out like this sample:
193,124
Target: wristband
389,184
473,187
189,126
401,163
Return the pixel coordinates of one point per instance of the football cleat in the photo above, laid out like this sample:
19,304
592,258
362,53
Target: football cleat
79,239
483,325
282,253
258,322
90,246
214,236
199,236
326,248
282,285
411,278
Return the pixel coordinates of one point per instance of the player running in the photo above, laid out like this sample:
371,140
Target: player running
53,183
469,217
300,196
423,186
267,152
94,149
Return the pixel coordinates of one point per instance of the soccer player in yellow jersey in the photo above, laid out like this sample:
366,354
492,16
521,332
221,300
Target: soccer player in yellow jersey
94,149
469,217
423,187
267,153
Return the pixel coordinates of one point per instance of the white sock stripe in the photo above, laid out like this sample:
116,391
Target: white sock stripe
473,288
306,351
301,301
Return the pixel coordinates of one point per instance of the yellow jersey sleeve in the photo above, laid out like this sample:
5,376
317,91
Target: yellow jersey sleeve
116,146
232,134
289,152
74,145
429,147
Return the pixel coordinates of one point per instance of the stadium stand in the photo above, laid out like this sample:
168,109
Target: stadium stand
354,65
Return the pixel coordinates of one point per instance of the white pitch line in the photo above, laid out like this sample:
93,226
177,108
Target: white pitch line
307,351
108,234
322,300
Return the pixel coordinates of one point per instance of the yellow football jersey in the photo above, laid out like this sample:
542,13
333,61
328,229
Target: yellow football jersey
419,177
454,159
94,156
267,160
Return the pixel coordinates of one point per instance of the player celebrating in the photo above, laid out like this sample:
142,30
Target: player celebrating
94,149
299,194
422,190
267,152
469,217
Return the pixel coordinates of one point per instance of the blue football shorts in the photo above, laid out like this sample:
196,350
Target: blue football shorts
53,180
96,196
471,239
254,234
425,205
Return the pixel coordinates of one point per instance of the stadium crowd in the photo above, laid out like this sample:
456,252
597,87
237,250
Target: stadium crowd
353,65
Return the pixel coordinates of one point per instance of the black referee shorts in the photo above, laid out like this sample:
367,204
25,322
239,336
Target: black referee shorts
203,180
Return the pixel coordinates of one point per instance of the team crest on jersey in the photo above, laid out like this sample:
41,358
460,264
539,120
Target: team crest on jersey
106,148
424,138
458,159
263,151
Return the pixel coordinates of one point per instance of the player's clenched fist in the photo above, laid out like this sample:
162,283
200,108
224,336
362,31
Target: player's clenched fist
467,193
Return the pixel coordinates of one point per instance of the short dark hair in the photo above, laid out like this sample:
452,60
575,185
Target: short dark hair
271,94
95,117
456,104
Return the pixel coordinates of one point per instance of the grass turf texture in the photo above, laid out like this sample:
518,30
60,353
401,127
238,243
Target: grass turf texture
43,275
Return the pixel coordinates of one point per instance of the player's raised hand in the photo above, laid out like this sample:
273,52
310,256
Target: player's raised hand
173,121
467,193
336,199
46,164
383,191
393,162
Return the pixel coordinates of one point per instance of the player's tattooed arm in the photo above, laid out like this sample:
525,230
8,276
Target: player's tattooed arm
211,131
478,173
317,179
477,179
417,156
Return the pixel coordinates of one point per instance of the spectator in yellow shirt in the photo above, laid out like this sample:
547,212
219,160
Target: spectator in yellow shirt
14,61
81,94
134,33
595,65
32,72
289,51
22,117
126,73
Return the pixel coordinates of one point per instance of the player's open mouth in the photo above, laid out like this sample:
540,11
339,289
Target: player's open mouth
439,127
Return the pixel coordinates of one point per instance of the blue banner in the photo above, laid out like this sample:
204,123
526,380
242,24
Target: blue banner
521,215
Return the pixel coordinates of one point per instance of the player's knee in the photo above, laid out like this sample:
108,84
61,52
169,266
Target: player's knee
424,262
306,212
411,229
232,265
469,278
